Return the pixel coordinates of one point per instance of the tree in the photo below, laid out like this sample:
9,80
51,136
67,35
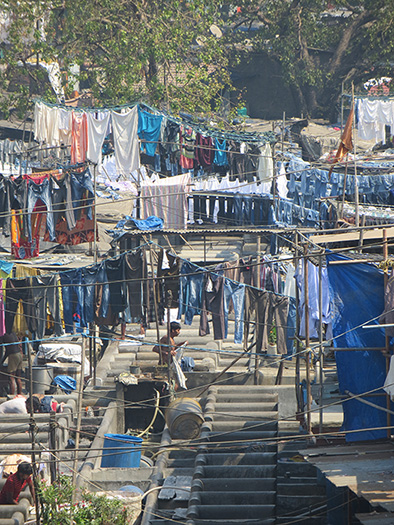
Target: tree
163,52
320,43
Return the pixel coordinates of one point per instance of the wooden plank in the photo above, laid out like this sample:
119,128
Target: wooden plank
352,236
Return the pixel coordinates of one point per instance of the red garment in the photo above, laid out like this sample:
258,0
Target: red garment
14,485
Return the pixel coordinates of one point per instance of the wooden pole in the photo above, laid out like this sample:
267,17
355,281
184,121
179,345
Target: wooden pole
307,348
154,283
79,414
32,429
95,213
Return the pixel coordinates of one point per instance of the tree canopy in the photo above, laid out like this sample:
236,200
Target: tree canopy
163,52
178,53
320,44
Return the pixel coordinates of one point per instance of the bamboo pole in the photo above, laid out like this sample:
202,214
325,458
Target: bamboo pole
387,338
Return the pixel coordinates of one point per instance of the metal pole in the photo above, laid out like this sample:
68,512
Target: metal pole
256,357
356,196
95,212
32,430
307,348
79,414
321,354
387,338
298,345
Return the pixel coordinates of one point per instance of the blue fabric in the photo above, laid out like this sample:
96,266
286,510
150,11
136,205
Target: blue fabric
220,153
190,291
236,293
72,293
358,296
149,126
151,223
66,383
6,266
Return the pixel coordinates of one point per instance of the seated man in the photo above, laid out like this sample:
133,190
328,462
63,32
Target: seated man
15,483
167,349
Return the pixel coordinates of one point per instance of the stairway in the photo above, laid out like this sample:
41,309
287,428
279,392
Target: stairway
235,471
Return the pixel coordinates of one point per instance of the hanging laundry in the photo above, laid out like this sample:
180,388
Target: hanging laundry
204,152
187,144
168,269
265,168
134,272
220,159
167,199
79,137
125,127
97,131
213,301
387,316
149,127
190,291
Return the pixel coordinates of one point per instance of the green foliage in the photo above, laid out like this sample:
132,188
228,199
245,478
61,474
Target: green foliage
162,52
319,43
57,507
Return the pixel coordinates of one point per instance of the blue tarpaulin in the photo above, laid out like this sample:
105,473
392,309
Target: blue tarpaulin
358,296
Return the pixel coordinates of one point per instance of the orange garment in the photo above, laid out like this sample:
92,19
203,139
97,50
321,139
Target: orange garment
79,137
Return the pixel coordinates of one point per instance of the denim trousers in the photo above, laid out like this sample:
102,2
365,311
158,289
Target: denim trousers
115,269
90,277
45,294
235,292
81,182
190,292
19,290
36,192
72,292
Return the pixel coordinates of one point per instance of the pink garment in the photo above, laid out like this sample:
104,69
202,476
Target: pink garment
2,317
79,137
167,199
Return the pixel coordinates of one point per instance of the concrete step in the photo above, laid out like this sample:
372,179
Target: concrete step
228,459
235,484
241,436
237,498
247,398
257,426
231,512
305,489
244,415
237,471
247,407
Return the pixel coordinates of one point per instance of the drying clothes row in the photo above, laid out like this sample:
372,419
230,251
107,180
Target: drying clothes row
10,150
213,294
306,184
65,199
170,146
373,116
232,210
286,213
103,293
85,132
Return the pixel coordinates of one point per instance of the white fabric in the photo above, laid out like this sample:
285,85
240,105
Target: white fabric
38,121
64,126
373,116
14,406
125,127
282,182
389,382
97,131
167,199
290,283
265,168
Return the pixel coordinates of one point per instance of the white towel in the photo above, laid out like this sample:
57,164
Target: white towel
97,130
125,127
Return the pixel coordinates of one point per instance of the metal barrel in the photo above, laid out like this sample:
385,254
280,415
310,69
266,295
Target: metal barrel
184,418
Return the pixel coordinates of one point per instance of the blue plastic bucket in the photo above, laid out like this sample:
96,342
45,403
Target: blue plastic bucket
121,450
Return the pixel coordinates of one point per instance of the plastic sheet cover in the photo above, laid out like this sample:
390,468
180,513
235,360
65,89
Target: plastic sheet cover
358,296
